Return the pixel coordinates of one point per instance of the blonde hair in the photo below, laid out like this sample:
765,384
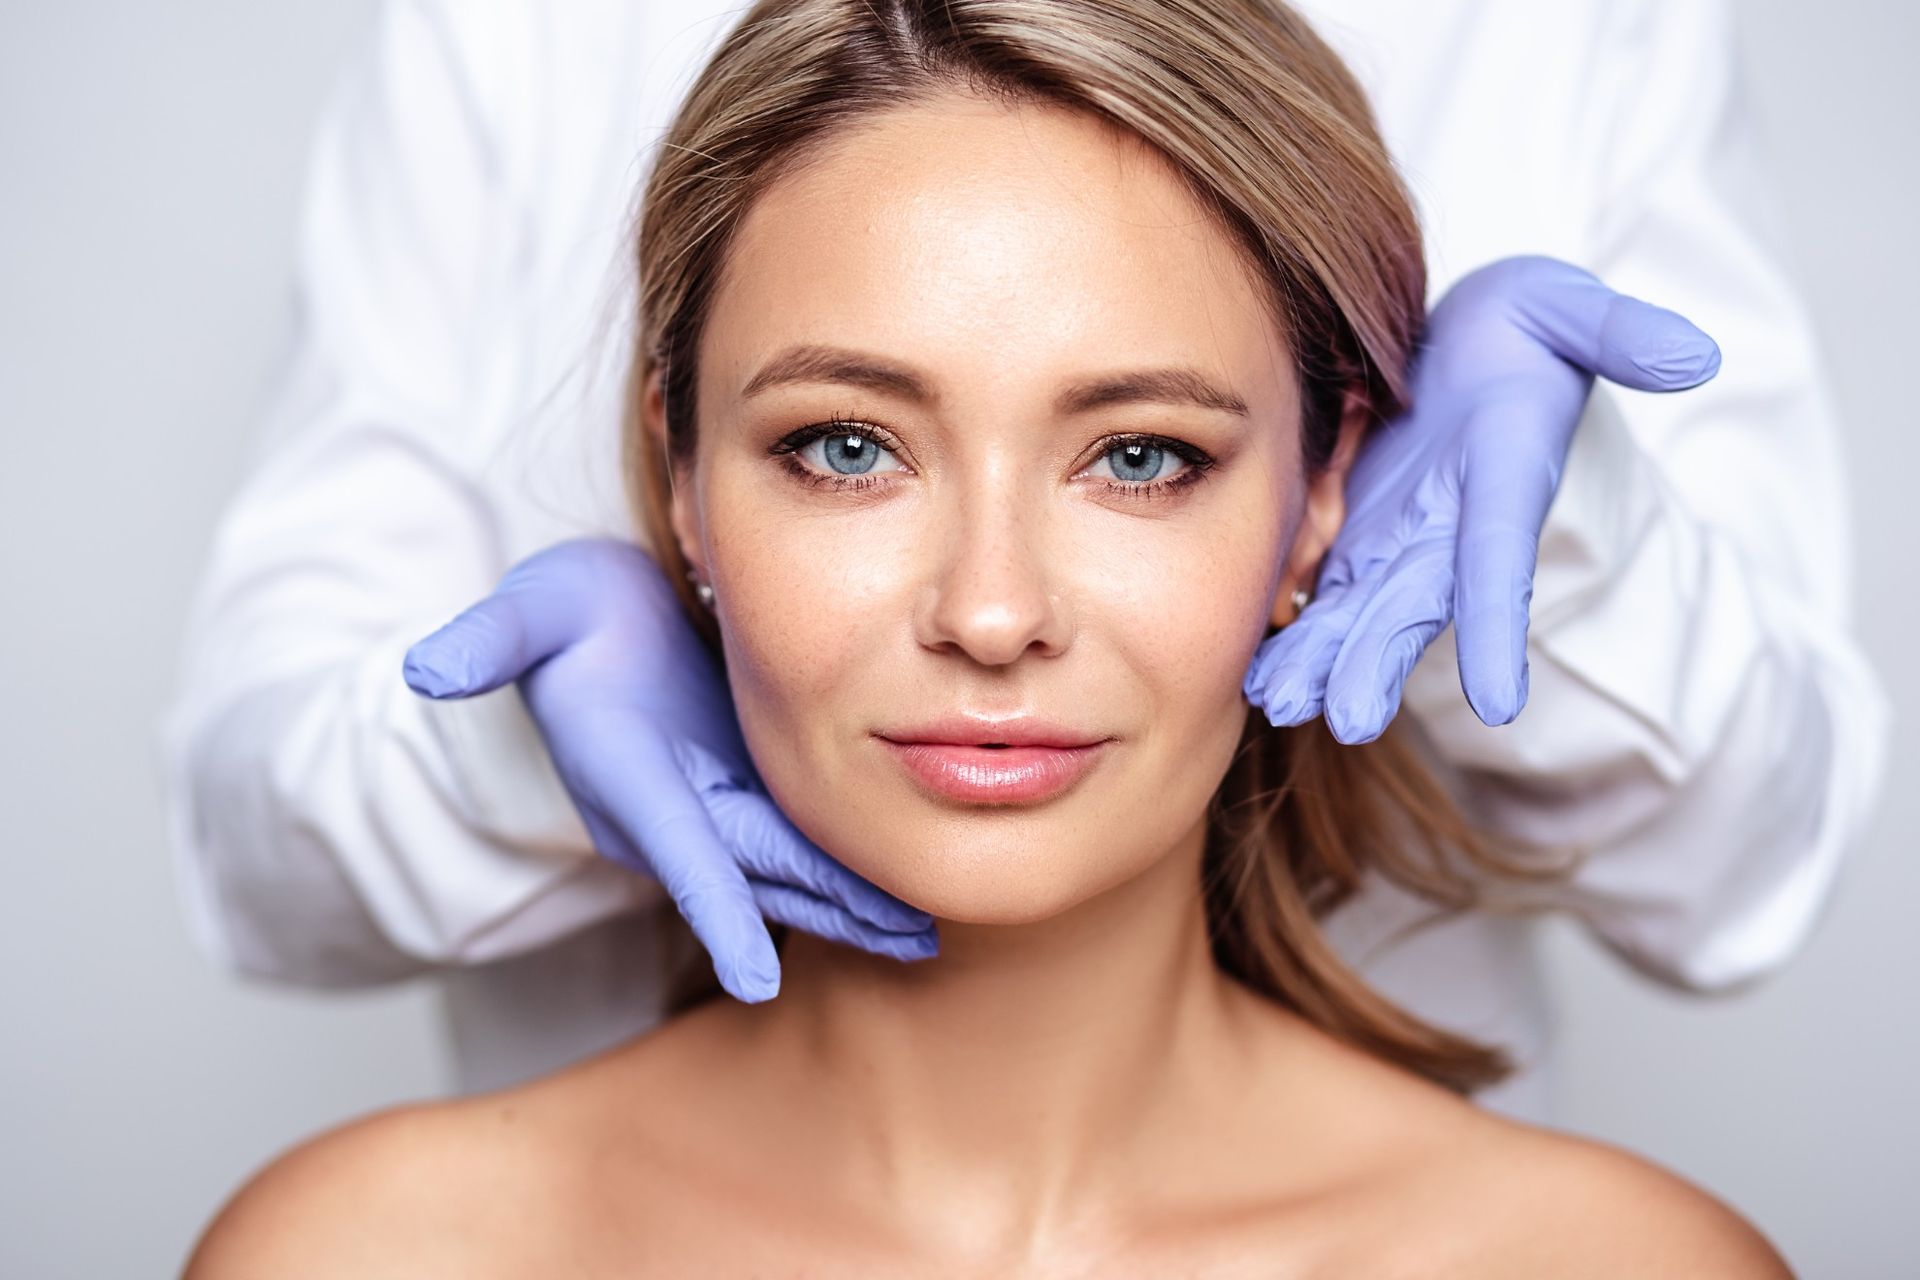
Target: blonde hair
1273,136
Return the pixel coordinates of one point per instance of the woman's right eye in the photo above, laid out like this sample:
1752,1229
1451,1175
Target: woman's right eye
847,453
837,453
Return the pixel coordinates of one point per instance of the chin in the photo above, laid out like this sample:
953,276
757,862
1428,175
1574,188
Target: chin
1011,877
993,904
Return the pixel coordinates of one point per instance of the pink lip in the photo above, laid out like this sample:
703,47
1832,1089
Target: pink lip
981,731
996,775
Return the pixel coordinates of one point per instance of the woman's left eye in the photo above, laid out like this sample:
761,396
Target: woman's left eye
1141,461
1150,464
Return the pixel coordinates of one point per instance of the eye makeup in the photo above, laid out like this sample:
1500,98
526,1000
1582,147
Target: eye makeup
788,448
788,451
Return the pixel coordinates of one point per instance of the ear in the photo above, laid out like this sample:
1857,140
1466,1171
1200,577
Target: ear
653,418
1326,510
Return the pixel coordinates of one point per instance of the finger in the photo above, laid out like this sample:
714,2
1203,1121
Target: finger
765,843
1623,339
769,847
1504,500
1408,607
675,840
799,909
1288,675
527,619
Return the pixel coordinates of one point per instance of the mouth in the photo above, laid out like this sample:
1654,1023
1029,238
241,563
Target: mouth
996,773
973,730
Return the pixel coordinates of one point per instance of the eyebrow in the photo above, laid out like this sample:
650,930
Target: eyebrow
811,362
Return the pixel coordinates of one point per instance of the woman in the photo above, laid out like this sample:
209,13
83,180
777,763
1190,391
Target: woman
1000,367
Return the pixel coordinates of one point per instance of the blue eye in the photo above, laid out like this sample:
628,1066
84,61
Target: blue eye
839,454
1138,461
845,454
1143,462
835,452
848,454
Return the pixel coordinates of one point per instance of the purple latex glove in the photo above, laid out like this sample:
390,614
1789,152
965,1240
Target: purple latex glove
1445,505
642,729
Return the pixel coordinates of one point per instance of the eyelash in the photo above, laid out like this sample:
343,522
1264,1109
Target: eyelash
1198,461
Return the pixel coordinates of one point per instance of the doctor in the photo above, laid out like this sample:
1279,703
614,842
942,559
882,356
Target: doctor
1698,718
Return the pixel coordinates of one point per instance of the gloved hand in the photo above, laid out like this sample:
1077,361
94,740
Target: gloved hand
642,729
1445,505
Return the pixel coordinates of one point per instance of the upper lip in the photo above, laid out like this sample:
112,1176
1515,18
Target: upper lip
980,731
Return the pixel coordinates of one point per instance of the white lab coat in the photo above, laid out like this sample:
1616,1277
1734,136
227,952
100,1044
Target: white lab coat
1699,717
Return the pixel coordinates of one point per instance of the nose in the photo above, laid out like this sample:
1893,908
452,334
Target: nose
992,590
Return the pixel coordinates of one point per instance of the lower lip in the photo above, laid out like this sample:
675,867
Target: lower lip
996,775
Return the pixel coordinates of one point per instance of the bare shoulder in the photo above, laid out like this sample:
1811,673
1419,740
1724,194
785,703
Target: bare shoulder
1563,1205
1437,1186
551,1177
410,1191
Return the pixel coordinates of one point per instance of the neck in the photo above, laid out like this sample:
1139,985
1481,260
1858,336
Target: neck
1002,1085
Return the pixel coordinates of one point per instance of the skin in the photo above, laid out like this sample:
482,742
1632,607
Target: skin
1071,1087
1006,570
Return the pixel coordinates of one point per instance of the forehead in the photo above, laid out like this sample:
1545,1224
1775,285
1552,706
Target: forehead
1014,239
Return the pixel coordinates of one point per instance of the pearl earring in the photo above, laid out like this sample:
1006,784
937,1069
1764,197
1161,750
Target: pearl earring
1299,600
702,590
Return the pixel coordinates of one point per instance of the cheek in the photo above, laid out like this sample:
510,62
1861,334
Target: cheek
811,610
793,601
1184,612
1188,601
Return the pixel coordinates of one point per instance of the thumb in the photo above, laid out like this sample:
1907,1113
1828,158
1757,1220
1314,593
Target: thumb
489,644
1651,348
1623,339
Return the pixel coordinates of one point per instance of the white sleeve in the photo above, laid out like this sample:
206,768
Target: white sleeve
1700,718
329,827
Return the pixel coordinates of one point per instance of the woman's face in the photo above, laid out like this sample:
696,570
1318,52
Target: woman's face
1063,483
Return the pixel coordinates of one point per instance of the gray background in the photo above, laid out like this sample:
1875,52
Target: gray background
151,157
